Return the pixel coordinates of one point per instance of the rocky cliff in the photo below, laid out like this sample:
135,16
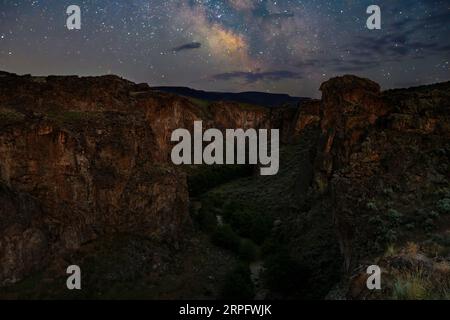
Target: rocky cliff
85,157
361,170
382,164
363,180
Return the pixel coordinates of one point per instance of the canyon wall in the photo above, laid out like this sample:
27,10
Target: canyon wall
382,165
85,157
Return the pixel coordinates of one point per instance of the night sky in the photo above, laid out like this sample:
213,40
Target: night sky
285,46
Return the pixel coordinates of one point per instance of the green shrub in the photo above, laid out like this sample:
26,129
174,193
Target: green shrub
442,239
372,206
444,205
271,246
241,220
203,178
434,215
376,221
248,223
261,228
238,285
206,220
429,225
410,226
248,251
394,216
391,236
225,237
229,208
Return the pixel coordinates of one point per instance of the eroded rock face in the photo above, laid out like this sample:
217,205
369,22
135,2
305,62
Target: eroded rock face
226,115
87,157
308,115
24,238
382,163
80,160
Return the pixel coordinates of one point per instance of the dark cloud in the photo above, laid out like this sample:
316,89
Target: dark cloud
308,63
251,77
356,65
399,25
187,46
339,65
406,38
436,21
394,47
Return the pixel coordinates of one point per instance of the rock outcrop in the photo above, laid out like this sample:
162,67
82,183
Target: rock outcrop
382,163
81,158
85,157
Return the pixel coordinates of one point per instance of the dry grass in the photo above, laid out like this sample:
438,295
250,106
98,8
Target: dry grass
412,248
411,286
423,285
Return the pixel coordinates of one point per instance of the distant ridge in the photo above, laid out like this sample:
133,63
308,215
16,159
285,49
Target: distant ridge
257,98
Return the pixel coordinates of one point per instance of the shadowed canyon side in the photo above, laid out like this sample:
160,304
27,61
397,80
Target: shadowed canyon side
361,172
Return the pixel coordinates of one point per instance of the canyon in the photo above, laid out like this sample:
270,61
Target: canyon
85,168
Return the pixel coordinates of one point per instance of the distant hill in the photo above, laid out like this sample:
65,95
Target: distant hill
257,98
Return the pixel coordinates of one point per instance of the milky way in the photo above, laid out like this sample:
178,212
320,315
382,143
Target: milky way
231,45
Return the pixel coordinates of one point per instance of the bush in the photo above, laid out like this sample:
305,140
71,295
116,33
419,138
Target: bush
444,205
241,220
372,206
261,228
230,208
206,220
429,225
274,244
248,223
410,226
206,177
391,236
225,237
433,215
238,285
248,251
395,216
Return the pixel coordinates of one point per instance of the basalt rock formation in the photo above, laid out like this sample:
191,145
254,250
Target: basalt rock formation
81,158
382,163
85,157
364,180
